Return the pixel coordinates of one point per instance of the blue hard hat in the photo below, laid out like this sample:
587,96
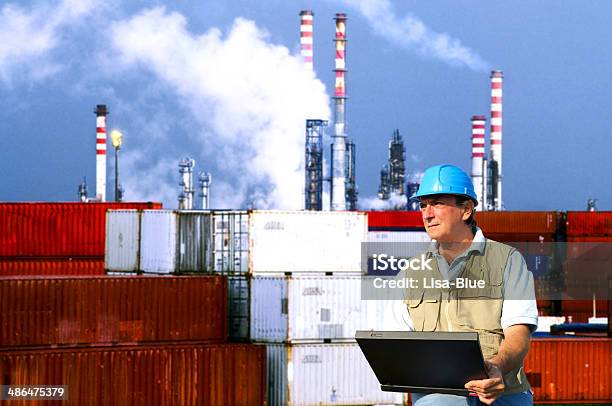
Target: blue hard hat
448,180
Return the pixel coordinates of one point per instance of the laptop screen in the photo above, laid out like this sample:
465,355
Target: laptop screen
439,362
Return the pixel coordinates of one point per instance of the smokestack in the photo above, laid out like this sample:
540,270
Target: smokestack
205,180
186,196
101,113
338,197
306,19
478,148
496,136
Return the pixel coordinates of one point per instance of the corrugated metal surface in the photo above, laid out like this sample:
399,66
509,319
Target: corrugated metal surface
122,240
56,229
238,297
395,220
96,310
398,236
322,374
194,241
589,223
587,247
294,308
231,241
211,375
306,241
570,370
523,222
52,266
158,241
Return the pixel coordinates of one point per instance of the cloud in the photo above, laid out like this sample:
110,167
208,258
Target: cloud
249,97
411,33
395,202
28,35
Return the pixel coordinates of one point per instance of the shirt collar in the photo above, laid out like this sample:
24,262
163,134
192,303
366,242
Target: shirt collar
478,244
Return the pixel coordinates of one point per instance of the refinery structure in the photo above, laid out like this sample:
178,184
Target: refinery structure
397,183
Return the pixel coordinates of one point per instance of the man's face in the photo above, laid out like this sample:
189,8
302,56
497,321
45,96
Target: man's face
442,218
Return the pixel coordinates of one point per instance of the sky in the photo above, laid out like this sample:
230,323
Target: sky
223,83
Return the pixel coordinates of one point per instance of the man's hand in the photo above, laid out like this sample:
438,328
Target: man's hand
488,390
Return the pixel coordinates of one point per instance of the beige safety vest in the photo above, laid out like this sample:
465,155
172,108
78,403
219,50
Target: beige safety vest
468,309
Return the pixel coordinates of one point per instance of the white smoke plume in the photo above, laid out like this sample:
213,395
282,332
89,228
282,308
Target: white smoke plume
28,35
395,202
249,97
411,33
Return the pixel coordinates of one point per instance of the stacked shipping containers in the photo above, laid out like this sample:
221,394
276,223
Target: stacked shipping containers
589,255
294,286
55,238
117,340
305,305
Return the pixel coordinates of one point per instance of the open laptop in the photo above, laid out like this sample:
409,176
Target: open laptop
408,361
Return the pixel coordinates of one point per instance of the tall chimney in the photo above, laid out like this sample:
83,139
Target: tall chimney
496,136
478,148
306,20
338,197
186,196
205,180
101,113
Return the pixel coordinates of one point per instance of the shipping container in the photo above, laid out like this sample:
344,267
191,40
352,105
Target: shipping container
589,247
302,241
51,266
158,241
301,308
322,374
122,248
239,300
208,375
589,223
532,244
195,246
569,370
580,310
56,229
521,222
395,220
231,241
106,310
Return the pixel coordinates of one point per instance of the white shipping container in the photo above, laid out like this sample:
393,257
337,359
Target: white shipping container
158,241
122,242
303,241
309,307
322,374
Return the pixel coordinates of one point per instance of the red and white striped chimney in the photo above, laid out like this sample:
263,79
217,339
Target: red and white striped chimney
101,113
478,149
306,20
338,187
497,77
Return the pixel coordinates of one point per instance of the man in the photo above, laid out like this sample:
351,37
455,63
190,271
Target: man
502,311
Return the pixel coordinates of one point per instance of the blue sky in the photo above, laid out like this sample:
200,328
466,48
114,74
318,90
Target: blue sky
221,82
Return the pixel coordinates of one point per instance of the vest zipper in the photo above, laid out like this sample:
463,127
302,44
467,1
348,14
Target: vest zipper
448,323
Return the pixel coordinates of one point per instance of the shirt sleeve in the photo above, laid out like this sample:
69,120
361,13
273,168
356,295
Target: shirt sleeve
519,305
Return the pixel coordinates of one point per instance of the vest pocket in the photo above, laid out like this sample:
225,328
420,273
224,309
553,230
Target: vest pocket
424,312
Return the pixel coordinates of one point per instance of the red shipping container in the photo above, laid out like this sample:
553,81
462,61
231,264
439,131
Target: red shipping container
52,266
589,223
532,244
588,247
568,370
112,309
520,222
395,220
581,310
208,375
57,229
